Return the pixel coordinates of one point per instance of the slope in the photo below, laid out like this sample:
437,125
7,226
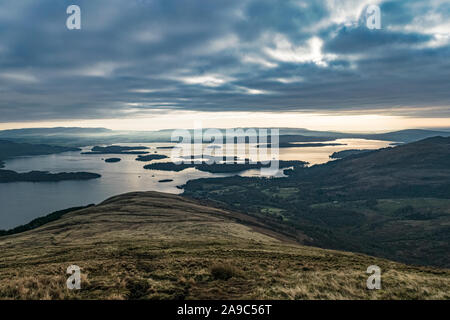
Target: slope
158,246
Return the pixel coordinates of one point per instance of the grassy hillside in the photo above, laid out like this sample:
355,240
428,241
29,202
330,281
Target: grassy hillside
416,169
159,246
343,204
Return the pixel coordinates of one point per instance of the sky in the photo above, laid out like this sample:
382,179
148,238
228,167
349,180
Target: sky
157,64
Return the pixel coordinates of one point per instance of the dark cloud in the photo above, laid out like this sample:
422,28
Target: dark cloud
363,40
133,57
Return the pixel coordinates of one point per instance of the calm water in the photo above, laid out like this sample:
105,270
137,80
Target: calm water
23,201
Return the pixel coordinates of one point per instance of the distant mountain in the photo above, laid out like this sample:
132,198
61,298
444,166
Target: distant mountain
420,168
79,137
95,136
73,137
137,150
7,176
9,149
149,245
407,135
52,131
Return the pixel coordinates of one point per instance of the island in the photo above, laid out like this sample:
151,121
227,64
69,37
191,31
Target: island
44,176
10,149
117,150
203,157
220,167
167,148
151,157
347,153
112,160
302,145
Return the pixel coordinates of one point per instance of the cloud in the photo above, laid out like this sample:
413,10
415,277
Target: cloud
310,52
204,80
100,69
363,40
18,77
136,57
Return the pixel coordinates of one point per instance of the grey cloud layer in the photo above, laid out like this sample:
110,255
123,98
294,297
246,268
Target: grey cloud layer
134,57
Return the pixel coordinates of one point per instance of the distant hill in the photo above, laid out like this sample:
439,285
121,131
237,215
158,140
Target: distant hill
159,246
410,135
9,149
43,176
52,131
73,137
416,169
138,150
94,136
82,136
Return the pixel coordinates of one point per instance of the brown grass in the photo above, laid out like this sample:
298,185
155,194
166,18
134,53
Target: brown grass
157,246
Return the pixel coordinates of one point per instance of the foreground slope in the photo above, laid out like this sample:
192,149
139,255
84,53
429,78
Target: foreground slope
159,246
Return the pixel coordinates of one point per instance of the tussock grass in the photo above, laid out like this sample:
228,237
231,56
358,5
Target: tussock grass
224,271
157,246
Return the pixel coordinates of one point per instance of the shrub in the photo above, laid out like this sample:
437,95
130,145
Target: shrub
137,289
224,272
